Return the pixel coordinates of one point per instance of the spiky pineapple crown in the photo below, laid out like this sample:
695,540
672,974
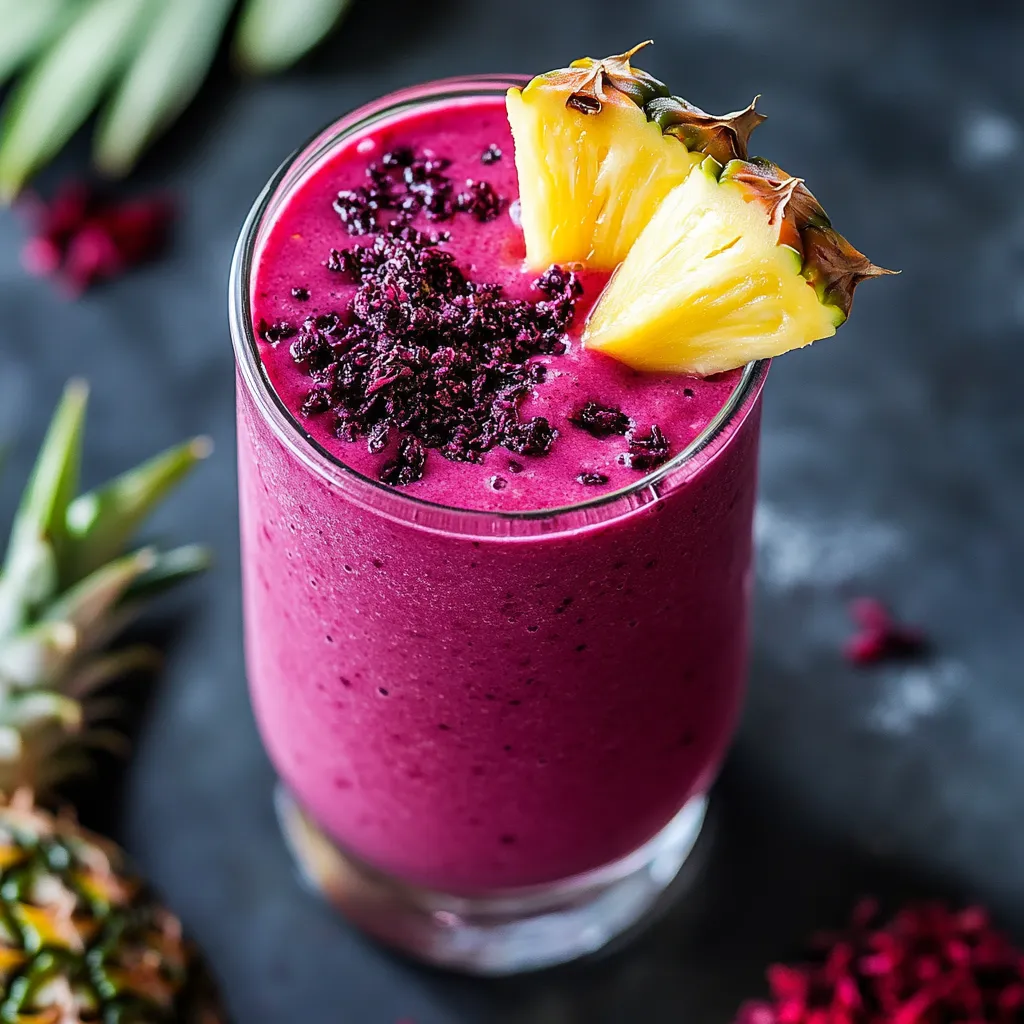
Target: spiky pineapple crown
724,137
68,586
829,262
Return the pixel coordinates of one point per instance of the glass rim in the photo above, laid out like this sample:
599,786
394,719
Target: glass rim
377,496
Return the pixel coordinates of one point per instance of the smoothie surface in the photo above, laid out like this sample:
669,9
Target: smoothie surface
292,283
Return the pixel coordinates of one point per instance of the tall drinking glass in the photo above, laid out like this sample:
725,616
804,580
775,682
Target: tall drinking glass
495,731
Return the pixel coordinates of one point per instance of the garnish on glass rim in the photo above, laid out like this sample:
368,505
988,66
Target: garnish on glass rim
720,259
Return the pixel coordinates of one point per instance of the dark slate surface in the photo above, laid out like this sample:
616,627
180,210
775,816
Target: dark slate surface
893,464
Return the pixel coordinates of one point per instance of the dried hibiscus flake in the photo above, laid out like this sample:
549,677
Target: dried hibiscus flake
647,451
81,238
601,421
926,965
880,637
425,357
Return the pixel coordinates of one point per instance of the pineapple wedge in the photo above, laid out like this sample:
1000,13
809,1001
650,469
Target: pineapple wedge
598,146
738,263
718,259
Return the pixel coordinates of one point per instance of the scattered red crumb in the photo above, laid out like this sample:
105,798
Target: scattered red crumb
81,239
927,965
880,636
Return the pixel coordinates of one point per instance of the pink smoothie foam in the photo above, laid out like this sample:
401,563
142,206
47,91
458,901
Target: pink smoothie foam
459,707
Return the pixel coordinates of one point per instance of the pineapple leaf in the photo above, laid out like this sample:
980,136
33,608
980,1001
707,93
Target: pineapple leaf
100,671
62,89
168,570
38,534
101,522
87,606
28,27
10,746
29,709
164,76
37,654
273,35
54,480
50,671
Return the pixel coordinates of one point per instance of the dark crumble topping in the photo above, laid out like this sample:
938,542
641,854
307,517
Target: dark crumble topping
491,155
273,334
480,200
647,452
424,358
405,184
601,420
407,466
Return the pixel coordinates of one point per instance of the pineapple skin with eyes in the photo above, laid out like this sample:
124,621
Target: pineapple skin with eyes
82,940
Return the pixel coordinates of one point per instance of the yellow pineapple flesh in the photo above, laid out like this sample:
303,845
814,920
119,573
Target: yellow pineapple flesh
598,146
603,176
719,276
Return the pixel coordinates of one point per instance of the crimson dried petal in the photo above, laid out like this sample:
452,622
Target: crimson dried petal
92,254
756,1013
41,256
927,965
880,636
82,239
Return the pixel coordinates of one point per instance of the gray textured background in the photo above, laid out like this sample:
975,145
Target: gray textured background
893,464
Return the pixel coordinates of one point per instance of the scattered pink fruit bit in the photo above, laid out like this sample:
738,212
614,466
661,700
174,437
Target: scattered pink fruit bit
927,965
81,239
880,637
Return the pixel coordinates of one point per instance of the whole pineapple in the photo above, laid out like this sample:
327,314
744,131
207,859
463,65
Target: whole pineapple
81,940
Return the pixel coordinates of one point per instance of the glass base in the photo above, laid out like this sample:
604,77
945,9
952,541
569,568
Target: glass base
496,934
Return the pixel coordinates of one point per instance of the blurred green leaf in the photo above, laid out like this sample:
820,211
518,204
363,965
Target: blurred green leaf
168,570
39,532
101,522
54,479
272,34
164,76
28,25
88,604
62,89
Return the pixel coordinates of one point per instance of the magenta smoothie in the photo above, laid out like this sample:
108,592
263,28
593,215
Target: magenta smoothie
478,700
